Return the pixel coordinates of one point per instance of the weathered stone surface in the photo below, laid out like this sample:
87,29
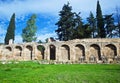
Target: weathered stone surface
79,50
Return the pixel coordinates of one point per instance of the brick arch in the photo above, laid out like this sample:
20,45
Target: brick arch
95,51
41,49
110,51
65,52
80,52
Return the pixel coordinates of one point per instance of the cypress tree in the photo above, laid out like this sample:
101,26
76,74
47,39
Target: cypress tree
100,22
10,30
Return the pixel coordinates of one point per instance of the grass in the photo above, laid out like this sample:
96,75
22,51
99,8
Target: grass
32,72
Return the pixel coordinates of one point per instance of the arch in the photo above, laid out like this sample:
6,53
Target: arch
41,48
52,52
30,50
65,52
18,50
110,51
8,48
80,52
95,51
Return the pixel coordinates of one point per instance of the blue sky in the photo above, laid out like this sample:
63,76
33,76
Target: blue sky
47,14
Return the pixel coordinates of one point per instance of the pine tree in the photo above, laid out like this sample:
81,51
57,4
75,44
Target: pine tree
87,31
110,27
117,18
100,22
11,30
29,32
78,29
92,23
65,23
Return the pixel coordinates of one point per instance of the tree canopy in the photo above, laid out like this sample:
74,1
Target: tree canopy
65,23
70,25
29,32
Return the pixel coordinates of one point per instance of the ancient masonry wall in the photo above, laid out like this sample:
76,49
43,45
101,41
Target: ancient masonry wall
83,50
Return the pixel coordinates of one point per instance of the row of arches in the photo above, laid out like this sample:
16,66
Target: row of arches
18,51
95,52
109,51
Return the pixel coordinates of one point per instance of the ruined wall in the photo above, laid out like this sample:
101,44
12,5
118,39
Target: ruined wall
83,50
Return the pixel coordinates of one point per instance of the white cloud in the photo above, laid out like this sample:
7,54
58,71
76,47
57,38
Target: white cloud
30,6
48,7
42,37
53,6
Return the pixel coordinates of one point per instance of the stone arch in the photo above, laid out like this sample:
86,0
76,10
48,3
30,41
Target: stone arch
8,48
95,52
18,50
110,51
41,51
80,52
65,52
52,50
8,52
30,52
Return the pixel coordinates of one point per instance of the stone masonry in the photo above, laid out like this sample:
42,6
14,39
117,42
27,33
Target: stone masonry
78,50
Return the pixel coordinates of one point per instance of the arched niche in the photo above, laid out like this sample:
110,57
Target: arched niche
80,52
65,52
18,50
92,59
95,51
41,49
29,51
110,51
52,52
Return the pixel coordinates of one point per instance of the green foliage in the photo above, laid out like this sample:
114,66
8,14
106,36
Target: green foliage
100,22
65,23
32,72
87,31
29,32
110,27
46,40
78,32
83,31
40,41
117,17
41,48
70,25
10,30
92,23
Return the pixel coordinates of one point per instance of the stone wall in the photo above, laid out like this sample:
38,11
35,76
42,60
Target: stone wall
79,50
